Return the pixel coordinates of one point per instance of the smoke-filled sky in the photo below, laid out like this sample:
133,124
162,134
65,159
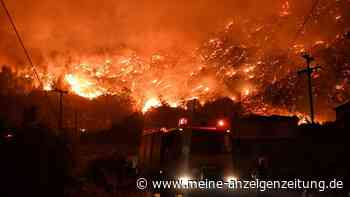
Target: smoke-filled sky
183,49
143,25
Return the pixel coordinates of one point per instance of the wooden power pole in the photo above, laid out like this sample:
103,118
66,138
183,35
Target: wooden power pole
309,70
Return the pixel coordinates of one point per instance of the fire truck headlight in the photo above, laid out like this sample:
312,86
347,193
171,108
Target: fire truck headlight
231,178
184,179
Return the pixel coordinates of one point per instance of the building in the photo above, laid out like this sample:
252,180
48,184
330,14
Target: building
264,138
257,126
343,115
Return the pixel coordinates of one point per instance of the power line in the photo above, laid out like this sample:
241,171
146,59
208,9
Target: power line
303,25
25,50
20,41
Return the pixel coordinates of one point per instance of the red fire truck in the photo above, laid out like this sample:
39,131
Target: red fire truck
188,152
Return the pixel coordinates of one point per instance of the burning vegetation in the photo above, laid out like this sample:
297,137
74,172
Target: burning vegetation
252,59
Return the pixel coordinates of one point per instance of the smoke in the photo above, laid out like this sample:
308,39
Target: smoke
89,26
188,35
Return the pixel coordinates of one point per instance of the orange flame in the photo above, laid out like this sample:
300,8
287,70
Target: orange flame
83,87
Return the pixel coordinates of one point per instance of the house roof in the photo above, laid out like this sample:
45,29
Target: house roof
343,105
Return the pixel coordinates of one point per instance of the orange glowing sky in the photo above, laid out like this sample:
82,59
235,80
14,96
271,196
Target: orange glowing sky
174,51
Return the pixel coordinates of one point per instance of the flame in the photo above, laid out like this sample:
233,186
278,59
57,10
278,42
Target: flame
225,65
151,103
285,9
83,87
47,87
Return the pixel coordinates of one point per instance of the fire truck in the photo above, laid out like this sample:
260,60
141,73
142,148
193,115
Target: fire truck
188,152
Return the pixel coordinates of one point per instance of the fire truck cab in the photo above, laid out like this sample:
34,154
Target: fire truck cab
192,153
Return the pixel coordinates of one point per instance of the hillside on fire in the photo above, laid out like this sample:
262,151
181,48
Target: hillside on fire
101,98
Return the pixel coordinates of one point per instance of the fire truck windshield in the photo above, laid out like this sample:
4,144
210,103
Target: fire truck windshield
210,142
203,142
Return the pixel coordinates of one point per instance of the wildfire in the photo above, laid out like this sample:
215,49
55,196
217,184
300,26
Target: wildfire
150,103
83,87
230,63
153,103
47,87
285,9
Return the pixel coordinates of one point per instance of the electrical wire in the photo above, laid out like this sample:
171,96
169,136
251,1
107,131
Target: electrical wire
26,52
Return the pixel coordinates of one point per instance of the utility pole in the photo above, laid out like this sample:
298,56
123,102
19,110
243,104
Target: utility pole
60,117
309,70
